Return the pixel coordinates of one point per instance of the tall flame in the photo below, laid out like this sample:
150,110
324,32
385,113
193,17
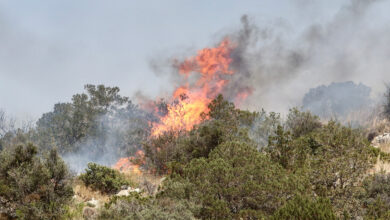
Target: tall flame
210,67
189,101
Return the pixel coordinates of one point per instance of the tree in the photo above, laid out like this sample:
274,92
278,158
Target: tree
91,120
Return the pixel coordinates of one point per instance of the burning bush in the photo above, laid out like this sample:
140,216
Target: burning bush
224,123
32,187
103,178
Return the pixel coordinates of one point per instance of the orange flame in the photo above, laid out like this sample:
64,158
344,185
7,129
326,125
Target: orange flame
126,164
191,100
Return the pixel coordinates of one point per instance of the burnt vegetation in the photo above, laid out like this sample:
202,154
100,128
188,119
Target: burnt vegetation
235,164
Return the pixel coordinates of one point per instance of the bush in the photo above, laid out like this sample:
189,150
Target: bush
136,207
235,180
376,196
32,187
103,178
303,208
301,123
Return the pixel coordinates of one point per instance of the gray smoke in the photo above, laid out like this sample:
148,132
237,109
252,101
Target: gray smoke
121,134
280,64
281,69
337,100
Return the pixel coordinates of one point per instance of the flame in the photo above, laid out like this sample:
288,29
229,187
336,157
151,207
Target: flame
210,66
189,101
126,164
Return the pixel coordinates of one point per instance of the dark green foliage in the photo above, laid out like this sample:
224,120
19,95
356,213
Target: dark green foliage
302,208
31,187
235,179
301,123
103,178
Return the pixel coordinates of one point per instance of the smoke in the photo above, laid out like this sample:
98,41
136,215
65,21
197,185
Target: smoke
282,69
121,133
338,100
278,64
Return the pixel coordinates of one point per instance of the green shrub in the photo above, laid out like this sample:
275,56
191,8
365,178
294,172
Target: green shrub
302,208
103,178
236,180
32,187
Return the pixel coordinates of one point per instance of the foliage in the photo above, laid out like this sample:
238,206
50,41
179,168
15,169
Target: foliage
224,123
103,178
303,208
235,178
93,117
376,196
136,207
32,187
301,123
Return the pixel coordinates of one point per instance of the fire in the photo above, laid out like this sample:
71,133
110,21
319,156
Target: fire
189,101
210,68
126,164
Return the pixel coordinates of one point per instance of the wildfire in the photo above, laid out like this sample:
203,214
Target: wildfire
189,101
210,67
126,164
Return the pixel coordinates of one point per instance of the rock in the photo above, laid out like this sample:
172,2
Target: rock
124,192
382,139
127,191
93,203
89,213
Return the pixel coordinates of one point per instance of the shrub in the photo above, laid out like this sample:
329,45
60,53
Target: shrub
303,208
235,180
32,187
136,207
301,123
103,178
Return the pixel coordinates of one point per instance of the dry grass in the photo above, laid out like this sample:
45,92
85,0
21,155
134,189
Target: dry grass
84,193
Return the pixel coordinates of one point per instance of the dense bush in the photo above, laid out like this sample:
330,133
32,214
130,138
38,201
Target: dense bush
235,179
224,123
376,196
32,187
103,178
301,208
301,123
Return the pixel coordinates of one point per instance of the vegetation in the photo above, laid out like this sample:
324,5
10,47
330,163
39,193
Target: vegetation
235,164
32,187
103,178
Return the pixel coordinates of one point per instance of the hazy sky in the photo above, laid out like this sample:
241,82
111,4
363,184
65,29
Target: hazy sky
49,49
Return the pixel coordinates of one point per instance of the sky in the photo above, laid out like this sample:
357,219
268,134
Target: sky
49,49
